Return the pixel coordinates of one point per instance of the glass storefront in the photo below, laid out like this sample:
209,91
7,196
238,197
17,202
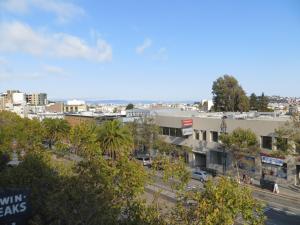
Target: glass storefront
274,167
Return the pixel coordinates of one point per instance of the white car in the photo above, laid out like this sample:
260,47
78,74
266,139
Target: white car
200,175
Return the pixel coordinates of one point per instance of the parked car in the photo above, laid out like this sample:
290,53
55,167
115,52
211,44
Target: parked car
200,175
267,184
146,161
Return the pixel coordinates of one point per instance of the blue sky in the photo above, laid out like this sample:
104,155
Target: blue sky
158,50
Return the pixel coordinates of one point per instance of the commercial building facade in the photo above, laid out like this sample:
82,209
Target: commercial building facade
202,136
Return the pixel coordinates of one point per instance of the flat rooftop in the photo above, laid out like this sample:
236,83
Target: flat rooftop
274,116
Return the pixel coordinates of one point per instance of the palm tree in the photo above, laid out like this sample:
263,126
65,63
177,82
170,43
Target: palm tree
115,139
55,130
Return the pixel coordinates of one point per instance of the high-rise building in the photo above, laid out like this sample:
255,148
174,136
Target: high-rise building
37,99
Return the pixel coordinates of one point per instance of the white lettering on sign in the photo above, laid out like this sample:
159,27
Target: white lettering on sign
12,205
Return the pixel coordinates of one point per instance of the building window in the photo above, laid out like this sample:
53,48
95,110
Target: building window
216,157
266,142
173,132
214,136
166,131
197,135
204,135
178,132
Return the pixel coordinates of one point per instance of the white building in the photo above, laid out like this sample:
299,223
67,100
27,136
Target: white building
19,98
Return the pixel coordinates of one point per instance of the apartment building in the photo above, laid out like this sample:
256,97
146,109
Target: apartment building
201,131
36,99
8,96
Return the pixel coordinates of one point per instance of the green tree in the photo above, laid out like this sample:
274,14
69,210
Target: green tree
228,95
115,139
240,143
83,140
223,202
145,134
129,106
253,102
55,130
288,137
263,102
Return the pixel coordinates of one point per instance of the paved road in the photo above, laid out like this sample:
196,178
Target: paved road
275,216
279,210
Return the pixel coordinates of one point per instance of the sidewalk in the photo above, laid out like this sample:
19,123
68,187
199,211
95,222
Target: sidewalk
290,191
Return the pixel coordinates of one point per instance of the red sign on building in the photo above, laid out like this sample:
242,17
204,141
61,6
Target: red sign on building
187,123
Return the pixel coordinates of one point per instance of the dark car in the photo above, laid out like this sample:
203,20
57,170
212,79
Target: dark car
267,184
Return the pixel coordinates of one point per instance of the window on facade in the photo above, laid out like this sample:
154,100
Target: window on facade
216,157
266,142
204,135
178,132
166,131
197,135
214,136
173,132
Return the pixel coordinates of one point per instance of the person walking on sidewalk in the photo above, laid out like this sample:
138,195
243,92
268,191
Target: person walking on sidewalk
276,188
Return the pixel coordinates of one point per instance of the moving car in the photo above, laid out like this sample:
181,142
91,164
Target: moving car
200,175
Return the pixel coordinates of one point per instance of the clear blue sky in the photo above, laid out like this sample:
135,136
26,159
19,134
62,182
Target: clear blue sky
159,50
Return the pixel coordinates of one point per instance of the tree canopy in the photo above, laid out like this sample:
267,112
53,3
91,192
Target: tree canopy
240,143
228,95
129,106
97,190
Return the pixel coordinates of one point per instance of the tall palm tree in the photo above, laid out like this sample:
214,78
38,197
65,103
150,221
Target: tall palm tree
55,130
115,139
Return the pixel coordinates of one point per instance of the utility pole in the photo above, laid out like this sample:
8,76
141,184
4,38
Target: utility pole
223,128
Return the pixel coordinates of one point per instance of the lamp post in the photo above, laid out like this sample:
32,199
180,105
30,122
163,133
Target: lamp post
224,131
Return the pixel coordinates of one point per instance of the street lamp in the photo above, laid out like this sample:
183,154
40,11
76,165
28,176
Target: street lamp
224,131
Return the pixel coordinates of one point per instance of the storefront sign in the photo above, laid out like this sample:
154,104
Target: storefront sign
187,123
270,160
14,207
187,131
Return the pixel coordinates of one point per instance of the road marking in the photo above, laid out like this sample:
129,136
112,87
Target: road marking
291,213
266,209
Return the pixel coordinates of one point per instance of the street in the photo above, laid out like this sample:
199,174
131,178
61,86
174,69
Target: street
279,210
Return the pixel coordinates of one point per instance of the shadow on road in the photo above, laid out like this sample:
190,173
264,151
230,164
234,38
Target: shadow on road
281,217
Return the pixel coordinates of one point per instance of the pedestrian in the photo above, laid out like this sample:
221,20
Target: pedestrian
263,174
251,180
276,189
244,178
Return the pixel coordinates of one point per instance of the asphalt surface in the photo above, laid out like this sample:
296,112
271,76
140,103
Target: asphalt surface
276,216
279,210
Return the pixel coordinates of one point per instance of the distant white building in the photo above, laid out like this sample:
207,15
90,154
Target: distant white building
137,113
75,102
208,103
19,98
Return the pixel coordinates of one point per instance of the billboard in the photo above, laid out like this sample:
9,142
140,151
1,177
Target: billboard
187,123
187,131
14,207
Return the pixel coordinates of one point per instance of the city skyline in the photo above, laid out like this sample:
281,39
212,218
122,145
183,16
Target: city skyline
148,51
